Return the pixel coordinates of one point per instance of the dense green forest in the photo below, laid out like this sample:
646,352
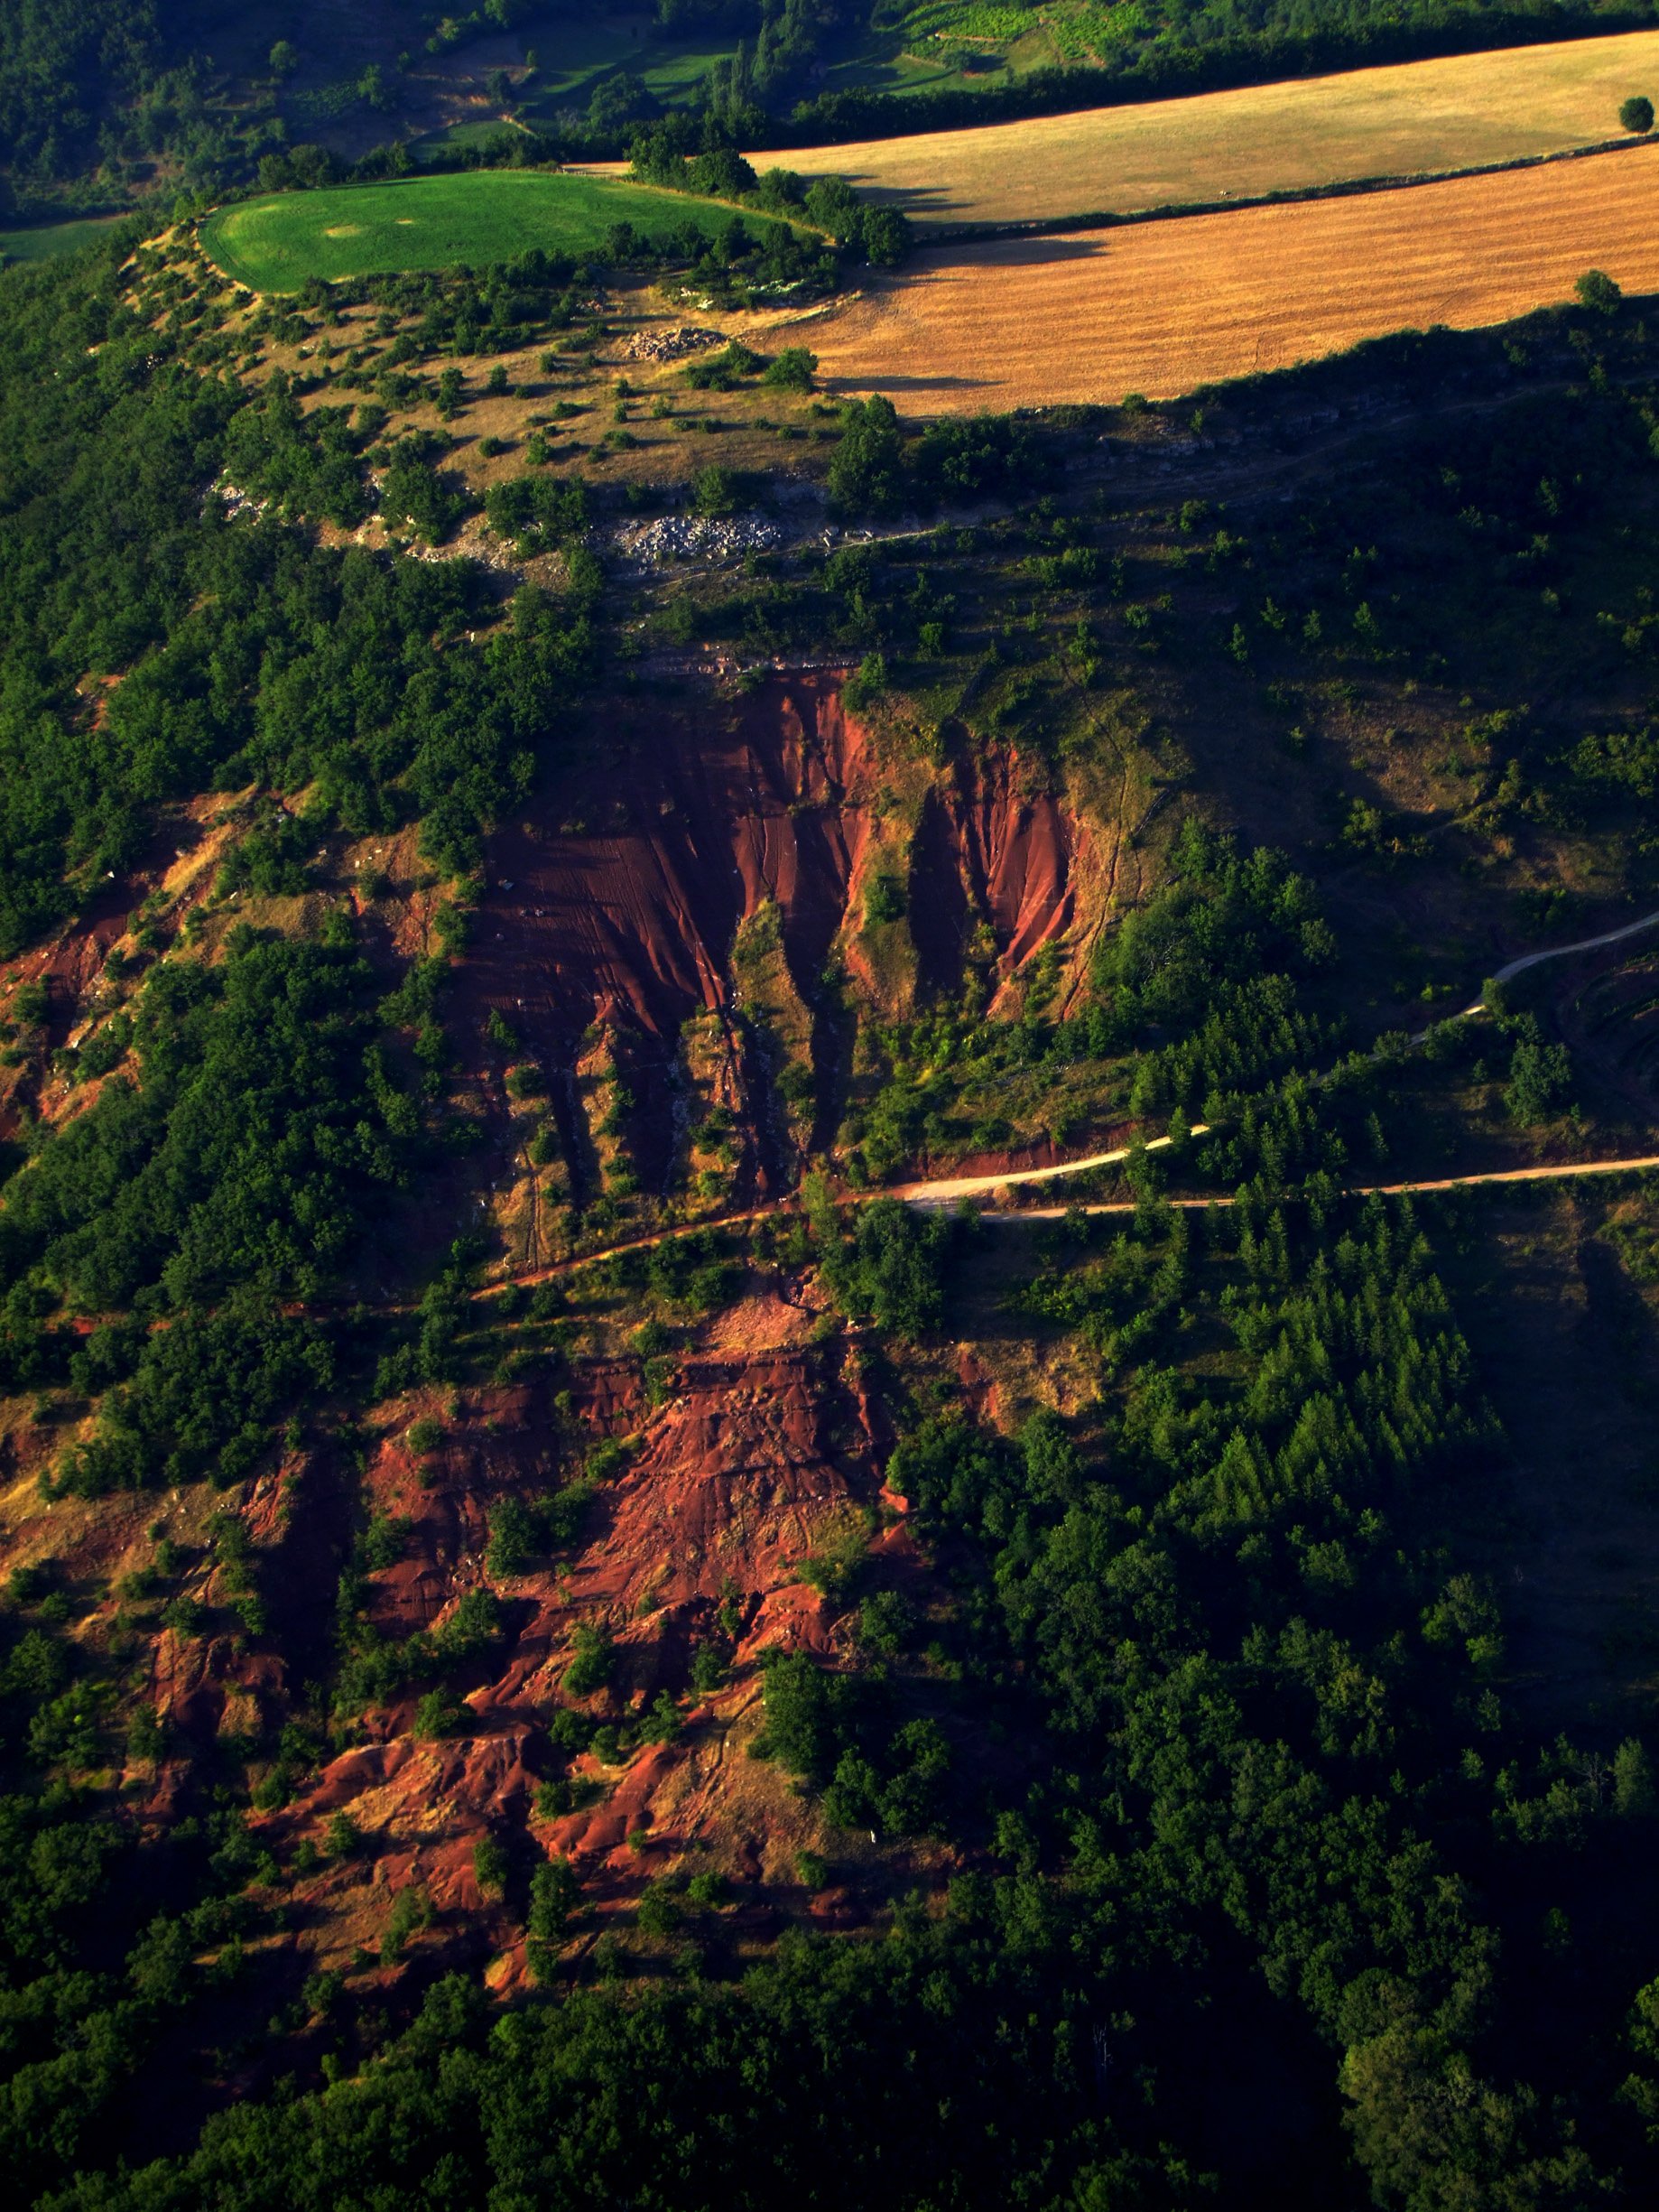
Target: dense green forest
1220,1849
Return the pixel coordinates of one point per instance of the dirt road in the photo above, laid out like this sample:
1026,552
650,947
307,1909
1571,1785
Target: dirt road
1561,1171
1558,952
954,1190
950,1190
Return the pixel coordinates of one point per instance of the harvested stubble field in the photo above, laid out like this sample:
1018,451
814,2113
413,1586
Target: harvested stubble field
1159,308
1465,111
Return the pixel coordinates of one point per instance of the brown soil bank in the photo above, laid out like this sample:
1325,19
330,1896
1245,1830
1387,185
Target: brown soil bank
1159,308
622,922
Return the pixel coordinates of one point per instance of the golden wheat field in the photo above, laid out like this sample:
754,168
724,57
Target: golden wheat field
1159,307
1465,111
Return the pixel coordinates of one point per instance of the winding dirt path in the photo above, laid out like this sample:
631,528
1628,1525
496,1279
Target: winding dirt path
949,1190
1558,952
952,1190
1557,1172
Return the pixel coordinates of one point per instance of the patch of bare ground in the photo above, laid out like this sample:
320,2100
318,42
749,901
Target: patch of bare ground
660,949
1162,308
749,1460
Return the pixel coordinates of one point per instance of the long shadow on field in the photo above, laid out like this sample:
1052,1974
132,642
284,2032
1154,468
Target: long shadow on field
917,200
1015,253
905,383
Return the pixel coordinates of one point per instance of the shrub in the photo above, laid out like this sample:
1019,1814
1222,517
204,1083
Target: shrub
659,1913
792,370
413,492
865,686
662,1724
590,1668
339,1836
1636,114
715,490
564,1514
411,1911
146,1734
489,1865
383,1543
554,1895
513,1540
1597,289
885,899
833,1564
720,372
440,1712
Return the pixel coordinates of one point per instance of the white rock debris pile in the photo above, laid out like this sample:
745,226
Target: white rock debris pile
669,345
696,537
238,502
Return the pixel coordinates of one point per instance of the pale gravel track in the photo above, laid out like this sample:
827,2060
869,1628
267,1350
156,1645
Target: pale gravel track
954,1190
1556,1172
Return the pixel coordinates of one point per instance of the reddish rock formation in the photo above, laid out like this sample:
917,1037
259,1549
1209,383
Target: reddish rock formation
622,923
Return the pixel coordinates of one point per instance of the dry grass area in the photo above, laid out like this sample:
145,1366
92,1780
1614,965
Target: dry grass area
1159,308
1466,111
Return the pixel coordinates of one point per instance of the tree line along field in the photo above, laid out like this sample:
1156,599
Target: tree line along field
1467,111
1161,307
481,216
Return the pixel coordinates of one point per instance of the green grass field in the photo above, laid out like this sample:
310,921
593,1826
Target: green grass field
274,244
44,239
572,63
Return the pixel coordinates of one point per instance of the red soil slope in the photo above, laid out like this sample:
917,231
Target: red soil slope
730,1483
629,926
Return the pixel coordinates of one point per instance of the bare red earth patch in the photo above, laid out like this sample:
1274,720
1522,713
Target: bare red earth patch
621,921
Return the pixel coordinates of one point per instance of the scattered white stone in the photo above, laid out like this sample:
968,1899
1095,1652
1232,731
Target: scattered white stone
670,345
696,537
238,502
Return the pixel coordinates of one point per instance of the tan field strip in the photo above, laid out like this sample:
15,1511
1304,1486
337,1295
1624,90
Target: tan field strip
1417,118
1158,308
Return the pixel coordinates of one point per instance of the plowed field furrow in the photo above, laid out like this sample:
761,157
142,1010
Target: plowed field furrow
1159,308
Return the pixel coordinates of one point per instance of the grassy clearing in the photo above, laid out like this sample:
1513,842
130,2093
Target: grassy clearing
41,240
274,244
578,56
1464,112
1159,308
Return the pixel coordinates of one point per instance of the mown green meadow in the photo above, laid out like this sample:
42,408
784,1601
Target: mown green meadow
275,243
40,241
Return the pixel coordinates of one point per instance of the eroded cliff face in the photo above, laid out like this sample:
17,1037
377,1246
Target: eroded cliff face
722,905
748,1456
717,1475
740,887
